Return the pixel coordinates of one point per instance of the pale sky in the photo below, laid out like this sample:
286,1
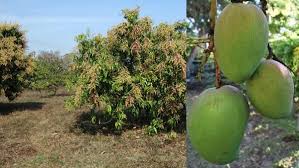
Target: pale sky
53,25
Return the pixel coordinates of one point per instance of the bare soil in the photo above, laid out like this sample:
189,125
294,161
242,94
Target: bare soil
37,131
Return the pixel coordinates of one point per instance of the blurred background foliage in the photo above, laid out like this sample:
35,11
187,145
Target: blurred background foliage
50,71
283,17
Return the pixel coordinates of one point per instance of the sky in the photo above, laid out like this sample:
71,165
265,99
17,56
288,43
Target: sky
54,24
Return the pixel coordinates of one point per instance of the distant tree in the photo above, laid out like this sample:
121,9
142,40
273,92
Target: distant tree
50,71
198,14
15,66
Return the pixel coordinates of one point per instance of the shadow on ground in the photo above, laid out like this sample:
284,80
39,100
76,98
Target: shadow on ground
7,108
97,122
65,94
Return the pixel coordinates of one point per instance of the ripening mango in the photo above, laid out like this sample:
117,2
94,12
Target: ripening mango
217,122
271,90
241,38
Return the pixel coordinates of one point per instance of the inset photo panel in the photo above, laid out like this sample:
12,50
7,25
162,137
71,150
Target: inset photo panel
242,84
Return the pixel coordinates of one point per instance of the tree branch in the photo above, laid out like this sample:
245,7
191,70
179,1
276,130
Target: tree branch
264,6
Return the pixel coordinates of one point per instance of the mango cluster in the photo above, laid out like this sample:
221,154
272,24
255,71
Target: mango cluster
218,118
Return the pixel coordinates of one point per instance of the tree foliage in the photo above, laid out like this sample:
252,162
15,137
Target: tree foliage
284,37
283,18
15,66
136,73
50,71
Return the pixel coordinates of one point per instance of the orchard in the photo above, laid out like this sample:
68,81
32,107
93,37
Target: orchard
112,99
50,72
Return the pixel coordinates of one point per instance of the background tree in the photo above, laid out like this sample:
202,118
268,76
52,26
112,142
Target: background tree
15,66
50,71
198,15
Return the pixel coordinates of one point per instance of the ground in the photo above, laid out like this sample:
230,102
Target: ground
37,131
266,144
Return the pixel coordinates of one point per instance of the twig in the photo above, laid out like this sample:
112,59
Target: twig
270,54
264,6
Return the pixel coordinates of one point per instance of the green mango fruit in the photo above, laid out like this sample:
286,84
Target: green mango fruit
217,122
271,90
241,38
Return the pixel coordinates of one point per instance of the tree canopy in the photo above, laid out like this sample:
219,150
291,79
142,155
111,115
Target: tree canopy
15,66
136,73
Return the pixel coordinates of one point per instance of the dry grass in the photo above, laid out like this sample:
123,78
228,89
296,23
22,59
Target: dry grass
37,131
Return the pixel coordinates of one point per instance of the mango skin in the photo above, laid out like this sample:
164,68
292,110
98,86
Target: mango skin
271,90
217,122
241,38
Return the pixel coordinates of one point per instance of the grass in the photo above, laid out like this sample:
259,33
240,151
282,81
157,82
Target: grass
36,131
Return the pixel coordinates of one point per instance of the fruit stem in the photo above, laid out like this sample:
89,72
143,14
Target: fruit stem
264,7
